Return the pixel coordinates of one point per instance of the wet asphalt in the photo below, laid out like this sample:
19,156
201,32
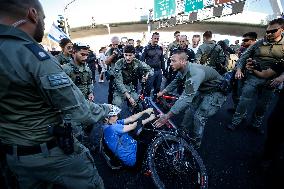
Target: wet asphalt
232,159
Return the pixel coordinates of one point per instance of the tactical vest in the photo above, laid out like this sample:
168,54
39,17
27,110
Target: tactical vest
63,59
267,54
82,79
129,74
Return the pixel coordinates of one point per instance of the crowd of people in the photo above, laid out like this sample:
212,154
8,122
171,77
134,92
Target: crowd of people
44,93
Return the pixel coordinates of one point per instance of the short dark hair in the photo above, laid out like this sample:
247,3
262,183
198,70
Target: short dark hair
279,21
130,40
63,42
251,35
155,33
176,32
102,48
181,53
17,8
207,34
129,49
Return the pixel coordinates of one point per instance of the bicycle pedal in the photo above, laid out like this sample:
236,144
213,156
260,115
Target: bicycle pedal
148,173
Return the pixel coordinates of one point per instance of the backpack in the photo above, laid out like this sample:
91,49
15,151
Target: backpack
206,58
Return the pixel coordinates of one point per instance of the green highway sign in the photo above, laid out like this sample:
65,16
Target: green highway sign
193,5
164,9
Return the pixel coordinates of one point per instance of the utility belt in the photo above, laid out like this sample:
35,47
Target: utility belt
224,87
19,150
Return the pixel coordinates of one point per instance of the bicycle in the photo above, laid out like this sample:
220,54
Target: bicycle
165,102
140,104
172,160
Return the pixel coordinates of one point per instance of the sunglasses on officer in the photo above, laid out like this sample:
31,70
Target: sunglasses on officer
69,47
84,54
272,31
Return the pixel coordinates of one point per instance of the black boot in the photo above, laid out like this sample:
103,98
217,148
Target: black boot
233,127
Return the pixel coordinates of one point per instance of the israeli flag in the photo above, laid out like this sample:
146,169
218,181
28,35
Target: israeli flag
56,34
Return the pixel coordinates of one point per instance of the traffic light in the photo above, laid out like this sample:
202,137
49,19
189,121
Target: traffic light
61,25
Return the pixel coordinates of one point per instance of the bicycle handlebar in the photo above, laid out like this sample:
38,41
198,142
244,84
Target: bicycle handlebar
158,110
168,97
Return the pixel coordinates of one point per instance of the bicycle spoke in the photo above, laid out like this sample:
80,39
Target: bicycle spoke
175,164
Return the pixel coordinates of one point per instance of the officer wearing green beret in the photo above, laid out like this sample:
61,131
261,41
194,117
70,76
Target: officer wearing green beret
35,96
127,72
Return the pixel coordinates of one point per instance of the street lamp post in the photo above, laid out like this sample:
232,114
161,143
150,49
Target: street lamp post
150,19
66,18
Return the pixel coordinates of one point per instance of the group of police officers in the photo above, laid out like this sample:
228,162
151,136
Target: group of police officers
40,93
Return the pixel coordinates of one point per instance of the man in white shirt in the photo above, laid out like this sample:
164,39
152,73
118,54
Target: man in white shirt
195,43
102,58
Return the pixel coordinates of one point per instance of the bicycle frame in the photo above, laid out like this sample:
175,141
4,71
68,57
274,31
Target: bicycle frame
151,103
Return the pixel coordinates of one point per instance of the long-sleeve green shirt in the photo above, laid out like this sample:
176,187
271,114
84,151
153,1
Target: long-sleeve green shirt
127,74
199,78
35,92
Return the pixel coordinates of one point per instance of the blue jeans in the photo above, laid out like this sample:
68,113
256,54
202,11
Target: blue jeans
154,81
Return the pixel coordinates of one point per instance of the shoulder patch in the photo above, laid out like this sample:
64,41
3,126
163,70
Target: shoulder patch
58,79
37,51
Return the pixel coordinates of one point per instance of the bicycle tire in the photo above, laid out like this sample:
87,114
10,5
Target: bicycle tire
189,168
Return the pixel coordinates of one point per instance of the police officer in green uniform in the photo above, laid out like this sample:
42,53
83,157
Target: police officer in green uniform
78,70
127,72
202,95
36,96
211,54
264,53
173,44
65,56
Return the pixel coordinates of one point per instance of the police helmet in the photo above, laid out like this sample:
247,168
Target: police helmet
78,46
114,111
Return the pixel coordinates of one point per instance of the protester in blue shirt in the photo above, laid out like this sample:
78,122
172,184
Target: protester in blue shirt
117,138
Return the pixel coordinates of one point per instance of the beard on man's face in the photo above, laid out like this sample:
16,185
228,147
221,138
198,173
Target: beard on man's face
39,31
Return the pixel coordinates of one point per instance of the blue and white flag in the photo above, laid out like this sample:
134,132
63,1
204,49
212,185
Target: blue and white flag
56,34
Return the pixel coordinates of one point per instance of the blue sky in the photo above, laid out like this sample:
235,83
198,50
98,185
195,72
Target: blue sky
80,12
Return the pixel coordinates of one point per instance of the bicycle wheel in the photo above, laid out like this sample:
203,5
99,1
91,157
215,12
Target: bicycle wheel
175,164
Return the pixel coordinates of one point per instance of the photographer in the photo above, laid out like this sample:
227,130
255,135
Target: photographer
112,56
266,52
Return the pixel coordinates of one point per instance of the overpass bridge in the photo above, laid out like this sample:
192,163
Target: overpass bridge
224,28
